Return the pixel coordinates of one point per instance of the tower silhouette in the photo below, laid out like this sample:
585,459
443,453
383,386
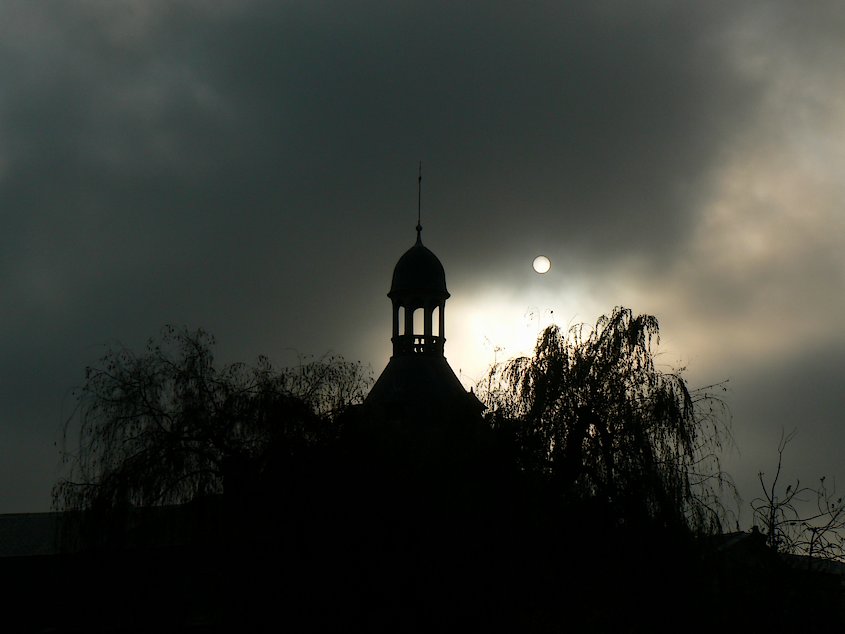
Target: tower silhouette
419,283
418,381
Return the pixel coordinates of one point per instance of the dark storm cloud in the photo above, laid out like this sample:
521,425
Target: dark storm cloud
250,167
567,120
149,147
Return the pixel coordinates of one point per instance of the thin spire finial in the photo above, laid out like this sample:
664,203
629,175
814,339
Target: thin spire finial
419,202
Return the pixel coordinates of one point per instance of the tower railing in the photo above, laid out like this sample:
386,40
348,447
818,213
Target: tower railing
418,344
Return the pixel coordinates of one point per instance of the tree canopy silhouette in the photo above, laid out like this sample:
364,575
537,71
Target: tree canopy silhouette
169,426
591,412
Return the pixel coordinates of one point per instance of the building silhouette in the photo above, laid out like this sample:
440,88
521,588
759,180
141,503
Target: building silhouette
418,383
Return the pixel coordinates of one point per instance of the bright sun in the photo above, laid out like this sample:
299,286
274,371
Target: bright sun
542,264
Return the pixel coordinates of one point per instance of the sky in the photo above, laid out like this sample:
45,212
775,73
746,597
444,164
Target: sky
250,168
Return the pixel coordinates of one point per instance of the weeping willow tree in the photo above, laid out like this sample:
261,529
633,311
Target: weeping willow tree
169,426
591,412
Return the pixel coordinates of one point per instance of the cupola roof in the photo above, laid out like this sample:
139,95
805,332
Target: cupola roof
419,272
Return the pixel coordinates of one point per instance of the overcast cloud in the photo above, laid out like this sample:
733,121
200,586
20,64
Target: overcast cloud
250,167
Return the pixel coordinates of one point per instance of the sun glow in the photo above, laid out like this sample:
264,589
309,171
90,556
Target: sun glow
541,264
494,326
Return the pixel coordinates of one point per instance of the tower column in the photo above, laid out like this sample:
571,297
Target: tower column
409,320
442,326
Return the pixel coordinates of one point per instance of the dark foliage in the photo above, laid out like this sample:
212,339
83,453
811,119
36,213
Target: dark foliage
592,414
169,426
575,506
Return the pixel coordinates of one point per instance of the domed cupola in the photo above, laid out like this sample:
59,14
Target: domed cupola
418,272
419,283
418,386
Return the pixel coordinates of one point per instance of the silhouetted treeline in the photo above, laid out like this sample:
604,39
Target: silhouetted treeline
209,499
351,535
